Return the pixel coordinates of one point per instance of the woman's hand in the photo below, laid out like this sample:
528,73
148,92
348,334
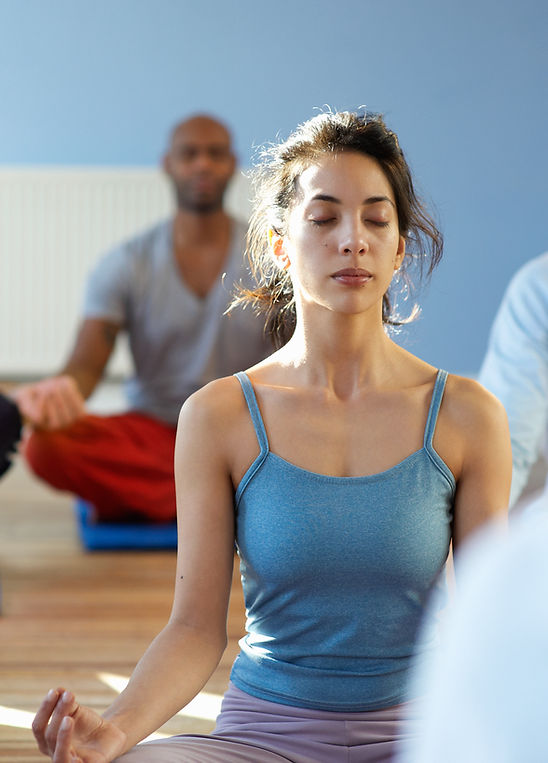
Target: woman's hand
70,733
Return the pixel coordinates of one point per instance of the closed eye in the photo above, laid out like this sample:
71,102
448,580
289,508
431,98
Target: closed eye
322,221
379,223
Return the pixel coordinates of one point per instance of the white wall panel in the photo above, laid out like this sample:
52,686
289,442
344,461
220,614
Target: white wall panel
54,224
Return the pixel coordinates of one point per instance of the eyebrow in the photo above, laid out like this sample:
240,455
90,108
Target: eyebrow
368,201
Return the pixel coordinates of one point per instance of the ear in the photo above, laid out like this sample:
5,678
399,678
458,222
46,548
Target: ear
276,244
233,163
166,164
400,253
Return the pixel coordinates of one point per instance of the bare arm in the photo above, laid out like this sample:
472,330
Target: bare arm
92,349
57,401
483,485
183,656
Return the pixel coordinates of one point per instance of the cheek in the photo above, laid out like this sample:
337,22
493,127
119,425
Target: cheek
395,244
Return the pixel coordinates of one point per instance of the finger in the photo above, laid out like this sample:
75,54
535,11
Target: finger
55,415
62,752
64,403
73,397
30,403
59,411
66,705
42,717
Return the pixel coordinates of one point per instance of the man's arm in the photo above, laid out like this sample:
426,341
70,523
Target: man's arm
91,352
57,401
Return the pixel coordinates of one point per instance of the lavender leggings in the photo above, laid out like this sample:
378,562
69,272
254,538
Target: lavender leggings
251,730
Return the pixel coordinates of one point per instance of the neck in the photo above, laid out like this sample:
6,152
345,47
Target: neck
191,228
343,353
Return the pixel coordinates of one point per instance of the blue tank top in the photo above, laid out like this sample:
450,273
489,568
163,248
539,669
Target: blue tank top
336,572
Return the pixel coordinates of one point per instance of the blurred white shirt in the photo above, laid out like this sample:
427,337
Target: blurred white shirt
515,368
485,691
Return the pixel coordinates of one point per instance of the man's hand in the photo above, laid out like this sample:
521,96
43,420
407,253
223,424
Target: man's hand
70,733
52,403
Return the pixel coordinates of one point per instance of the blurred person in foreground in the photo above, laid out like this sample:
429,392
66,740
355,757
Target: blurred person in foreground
485,691
515,369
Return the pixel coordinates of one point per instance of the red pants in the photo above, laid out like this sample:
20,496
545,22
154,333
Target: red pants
122,464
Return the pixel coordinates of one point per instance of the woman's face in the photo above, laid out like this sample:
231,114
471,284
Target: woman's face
342,243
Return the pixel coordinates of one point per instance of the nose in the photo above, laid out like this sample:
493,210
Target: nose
203,161
353,240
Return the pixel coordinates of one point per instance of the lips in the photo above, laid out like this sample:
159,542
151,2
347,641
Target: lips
204,184
352,276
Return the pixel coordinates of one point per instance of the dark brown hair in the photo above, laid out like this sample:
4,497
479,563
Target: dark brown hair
275,184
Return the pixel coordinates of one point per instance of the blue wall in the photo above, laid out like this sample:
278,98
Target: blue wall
463,83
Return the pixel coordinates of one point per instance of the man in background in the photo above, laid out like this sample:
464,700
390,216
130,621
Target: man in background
168,288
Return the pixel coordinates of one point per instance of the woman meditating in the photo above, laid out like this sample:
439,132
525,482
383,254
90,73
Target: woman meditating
342,467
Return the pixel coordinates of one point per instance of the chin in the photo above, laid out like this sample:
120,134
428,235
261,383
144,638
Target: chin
202,206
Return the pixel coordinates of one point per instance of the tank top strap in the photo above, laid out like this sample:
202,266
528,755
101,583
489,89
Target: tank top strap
435,403
256,418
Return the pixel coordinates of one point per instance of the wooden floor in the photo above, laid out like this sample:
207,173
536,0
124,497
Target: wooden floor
79,619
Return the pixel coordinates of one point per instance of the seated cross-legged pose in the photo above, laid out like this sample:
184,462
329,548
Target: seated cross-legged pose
342,466
168,289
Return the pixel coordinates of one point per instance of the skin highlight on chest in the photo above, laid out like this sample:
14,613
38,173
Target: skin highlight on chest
390,428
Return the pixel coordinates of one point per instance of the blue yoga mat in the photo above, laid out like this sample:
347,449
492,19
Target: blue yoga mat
101,536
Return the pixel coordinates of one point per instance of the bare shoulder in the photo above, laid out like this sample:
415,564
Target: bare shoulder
216,405
215,425
469,405
472,423
476,437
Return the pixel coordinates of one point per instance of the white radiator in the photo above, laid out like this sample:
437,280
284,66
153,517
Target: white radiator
54,223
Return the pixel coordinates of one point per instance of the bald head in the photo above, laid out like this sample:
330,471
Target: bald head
200,162
200,123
